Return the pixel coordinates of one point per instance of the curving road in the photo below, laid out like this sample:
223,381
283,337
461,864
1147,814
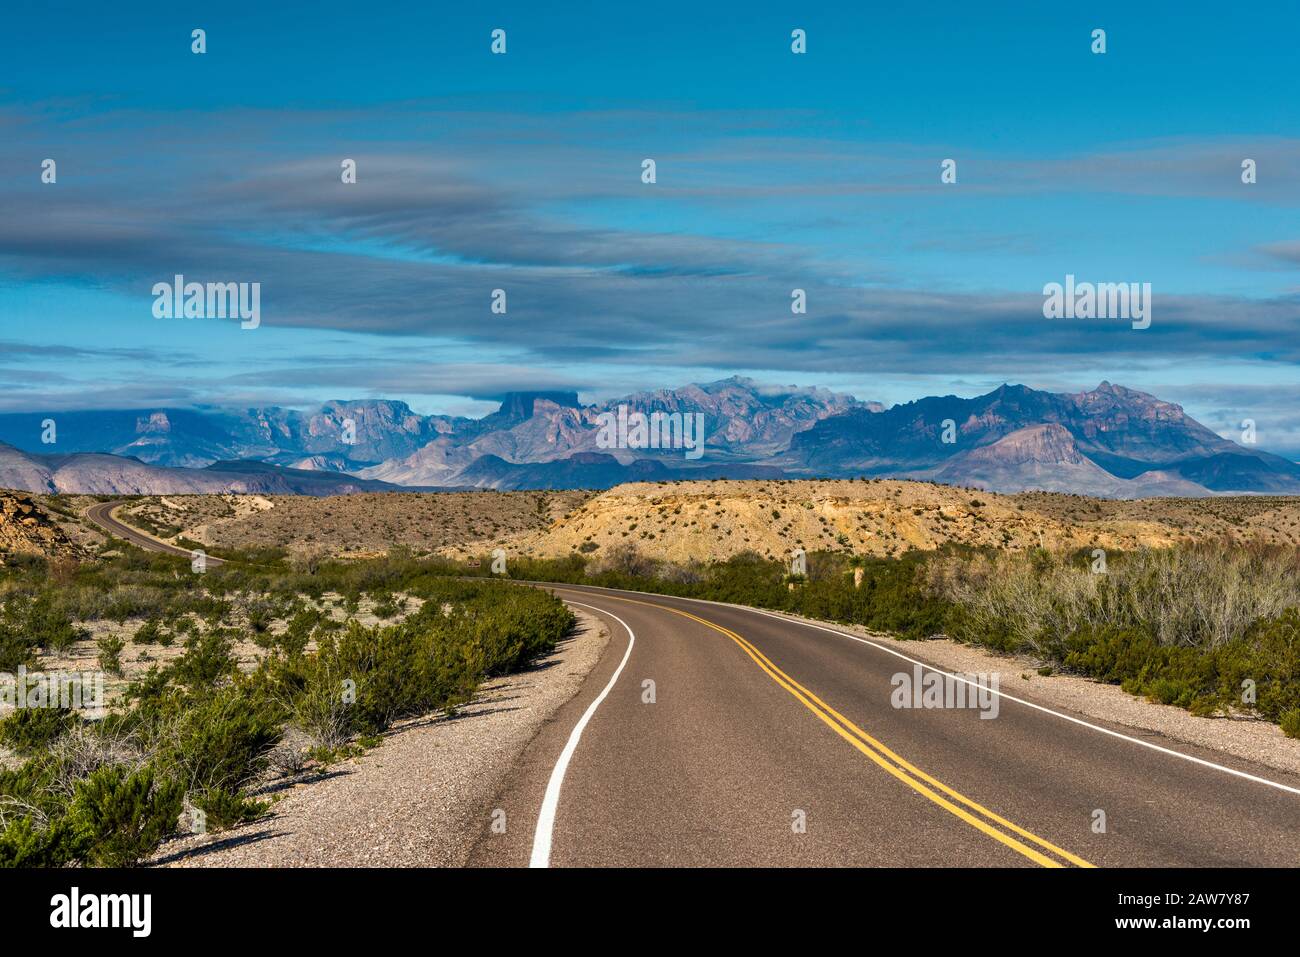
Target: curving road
760,723
101,514
710,734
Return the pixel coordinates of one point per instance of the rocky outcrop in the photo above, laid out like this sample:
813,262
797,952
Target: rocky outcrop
24,528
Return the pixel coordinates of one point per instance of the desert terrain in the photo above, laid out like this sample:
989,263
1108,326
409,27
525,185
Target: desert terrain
702,521
353,526
674,521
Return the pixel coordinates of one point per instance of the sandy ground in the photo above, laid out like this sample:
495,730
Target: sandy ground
1241,737
418,800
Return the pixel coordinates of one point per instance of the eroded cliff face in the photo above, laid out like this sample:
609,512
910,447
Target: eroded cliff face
25,528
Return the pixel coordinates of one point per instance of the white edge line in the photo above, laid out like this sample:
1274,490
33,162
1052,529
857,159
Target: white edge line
1002,694
541,856
1039,707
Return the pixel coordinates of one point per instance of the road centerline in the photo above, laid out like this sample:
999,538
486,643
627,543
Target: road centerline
885,758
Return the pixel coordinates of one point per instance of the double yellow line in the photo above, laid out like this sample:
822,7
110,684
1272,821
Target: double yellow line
996,827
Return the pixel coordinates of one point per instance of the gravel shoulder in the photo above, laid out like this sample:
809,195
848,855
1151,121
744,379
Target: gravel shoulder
1241,737
422,798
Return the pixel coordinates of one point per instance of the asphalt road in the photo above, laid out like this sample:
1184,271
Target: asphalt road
760,724
711,735
102,515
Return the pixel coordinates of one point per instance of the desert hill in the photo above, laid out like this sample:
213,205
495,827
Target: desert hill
353,525
703,520
715,520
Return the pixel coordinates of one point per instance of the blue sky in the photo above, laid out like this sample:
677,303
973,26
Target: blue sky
522,172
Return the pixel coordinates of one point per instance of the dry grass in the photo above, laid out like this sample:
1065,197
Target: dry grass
1202,595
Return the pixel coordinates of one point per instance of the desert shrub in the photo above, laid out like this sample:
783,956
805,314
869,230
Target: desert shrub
393,672
110,647
76,804
206,660
220,741
149,633
1201,595
894,594
119,815
16,648
223,808
1191,627
297,633
50,625
321,709
1270,656
625,560
210,608
197,730
81,751
135,601
1291,723
30,621
435,658
385,607
260,613
29,730
288,757
28,842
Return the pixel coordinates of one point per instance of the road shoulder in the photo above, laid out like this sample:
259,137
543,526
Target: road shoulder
422,798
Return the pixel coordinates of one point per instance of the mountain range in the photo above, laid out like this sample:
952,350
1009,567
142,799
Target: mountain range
1111,442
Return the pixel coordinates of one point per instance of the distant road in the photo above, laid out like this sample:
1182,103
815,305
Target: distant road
102,515
774,742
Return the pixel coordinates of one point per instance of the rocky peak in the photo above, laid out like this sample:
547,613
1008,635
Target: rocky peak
520,404
153,423
1048,443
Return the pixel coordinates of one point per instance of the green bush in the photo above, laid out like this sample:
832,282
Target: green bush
321,707
16,649
223,808
385,607
110,652
221,741
24,843
30,730
198,727
150,633
118,816
207,659
297,634
34,620
893,596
